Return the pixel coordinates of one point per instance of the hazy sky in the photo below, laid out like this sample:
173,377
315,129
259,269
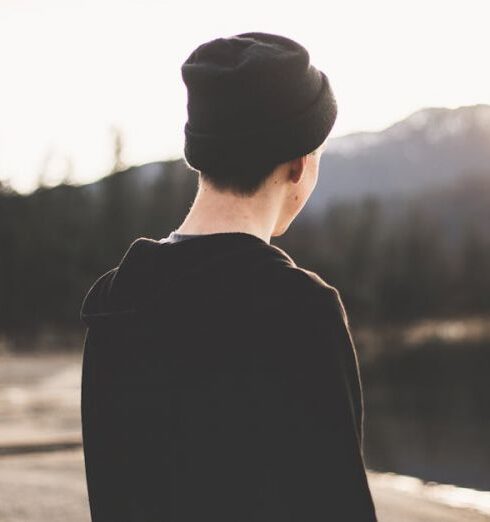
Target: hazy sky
71,70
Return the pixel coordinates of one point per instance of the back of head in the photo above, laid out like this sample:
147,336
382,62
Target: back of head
254,101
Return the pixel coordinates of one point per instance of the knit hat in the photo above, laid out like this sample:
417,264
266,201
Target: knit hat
254,95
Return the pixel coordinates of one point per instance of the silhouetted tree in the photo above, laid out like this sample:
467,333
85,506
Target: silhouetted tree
118,148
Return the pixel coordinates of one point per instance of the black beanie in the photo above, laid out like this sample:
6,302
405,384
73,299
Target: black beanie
254,95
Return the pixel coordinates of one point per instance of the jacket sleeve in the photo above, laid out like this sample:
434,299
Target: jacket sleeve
349,365
326,412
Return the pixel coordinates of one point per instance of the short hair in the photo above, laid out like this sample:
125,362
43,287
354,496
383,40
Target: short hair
244,179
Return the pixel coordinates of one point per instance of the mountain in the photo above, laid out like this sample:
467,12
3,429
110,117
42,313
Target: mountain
424,235
432,147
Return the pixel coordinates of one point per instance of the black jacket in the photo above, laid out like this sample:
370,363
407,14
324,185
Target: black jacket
220,383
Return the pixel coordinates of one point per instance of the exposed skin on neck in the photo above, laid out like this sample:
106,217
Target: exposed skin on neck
267,213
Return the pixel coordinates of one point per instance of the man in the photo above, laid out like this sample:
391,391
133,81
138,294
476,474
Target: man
220,382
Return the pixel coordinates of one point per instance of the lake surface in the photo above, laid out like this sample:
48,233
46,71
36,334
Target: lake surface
427,412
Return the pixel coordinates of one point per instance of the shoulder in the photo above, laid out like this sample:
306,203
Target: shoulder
309,283
99,288
299,277
297,285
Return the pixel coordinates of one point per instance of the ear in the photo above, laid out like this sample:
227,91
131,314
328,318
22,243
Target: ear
296,168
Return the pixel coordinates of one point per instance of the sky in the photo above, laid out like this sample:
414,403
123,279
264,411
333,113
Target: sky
73,71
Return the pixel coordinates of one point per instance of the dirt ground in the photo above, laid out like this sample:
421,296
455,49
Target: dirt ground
50,487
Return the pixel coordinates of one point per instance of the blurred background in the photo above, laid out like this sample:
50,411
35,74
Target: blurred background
92,110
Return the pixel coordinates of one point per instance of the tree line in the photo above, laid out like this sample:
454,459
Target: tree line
390,265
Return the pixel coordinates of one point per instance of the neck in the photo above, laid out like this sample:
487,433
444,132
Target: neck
214,211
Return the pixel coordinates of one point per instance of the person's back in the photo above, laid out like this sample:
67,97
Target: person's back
220,381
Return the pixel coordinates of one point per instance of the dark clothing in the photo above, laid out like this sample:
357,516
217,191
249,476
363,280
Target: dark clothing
220,384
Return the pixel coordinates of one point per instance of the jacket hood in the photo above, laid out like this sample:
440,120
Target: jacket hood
152,271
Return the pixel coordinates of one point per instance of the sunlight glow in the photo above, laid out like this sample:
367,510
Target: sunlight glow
71,70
